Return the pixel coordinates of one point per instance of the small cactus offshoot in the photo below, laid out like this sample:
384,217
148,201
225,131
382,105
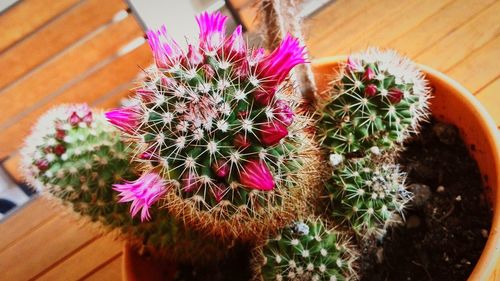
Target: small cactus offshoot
215,127
376,100
306,251
74,156
367,195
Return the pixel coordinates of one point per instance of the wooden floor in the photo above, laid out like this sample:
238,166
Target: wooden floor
458,37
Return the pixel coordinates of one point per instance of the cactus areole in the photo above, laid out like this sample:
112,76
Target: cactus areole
214,120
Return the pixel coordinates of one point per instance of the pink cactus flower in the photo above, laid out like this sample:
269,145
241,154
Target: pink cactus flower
283,112
219,190
42,164
143,193
212,28
88,118
395,95
221,168
235,47
146,95
256,175
369,74
370,90
190,182
354,65
126,119
59,149
241,141
271,133
165,50
74,119
194,57
273,69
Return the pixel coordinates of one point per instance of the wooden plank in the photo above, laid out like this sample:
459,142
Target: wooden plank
118,95
489,97
26,17
479,68
12,166
70,65
122,70
338,40
110,272
43,247
409,16
437,26
332,18
55,37
464,40
92,256
30,216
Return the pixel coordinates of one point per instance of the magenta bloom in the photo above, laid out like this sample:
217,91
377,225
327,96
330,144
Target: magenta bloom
143,193
283,112
221,168
165,50
256,175
274,68
212,28
74,119
271,133
146,95
190,182
235,47
354,65
369,74
395,95
370,90
126,119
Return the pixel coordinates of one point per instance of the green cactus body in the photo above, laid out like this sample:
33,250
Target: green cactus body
306,251
74,155
377,99
367,194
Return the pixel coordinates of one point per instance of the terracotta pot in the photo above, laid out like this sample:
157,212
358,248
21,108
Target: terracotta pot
146,267
453,104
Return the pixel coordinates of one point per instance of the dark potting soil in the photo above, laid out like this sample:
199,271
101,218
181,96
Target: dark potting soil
447,225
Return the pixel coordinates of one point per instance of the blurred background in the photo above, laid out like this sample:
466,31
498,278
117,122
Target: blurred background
69,51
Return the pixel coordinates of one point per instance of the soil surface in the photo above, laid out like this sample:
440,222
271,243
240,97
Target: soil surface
448,223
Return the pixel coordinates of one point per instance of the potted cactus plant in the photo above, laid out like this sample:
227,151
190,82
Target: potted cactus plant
216,151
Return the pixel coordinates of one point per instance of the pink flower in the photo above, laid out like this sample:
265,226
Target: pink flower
283,112
143,193
271,133
395,95
235,47
126,118
218,191
212,28
256,175
272,69
74,119
190,182
194,57
354,65
221,168
87,118
165,50
241,141
370,90
369,74
146,95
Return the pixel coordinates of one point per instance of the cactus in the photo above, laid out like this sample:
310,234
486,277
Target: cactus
367,195
74,156
215,126
306,251
376,101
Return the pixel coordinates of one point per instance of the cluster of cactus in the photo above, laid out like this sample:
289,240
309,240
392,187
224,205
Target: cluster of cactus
377,100
215,127
306,250
74,156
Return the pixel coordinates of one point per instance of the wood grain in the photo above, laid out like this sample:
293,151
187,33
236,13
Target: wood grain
27,16
102,81
111,271
55,37
489,97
